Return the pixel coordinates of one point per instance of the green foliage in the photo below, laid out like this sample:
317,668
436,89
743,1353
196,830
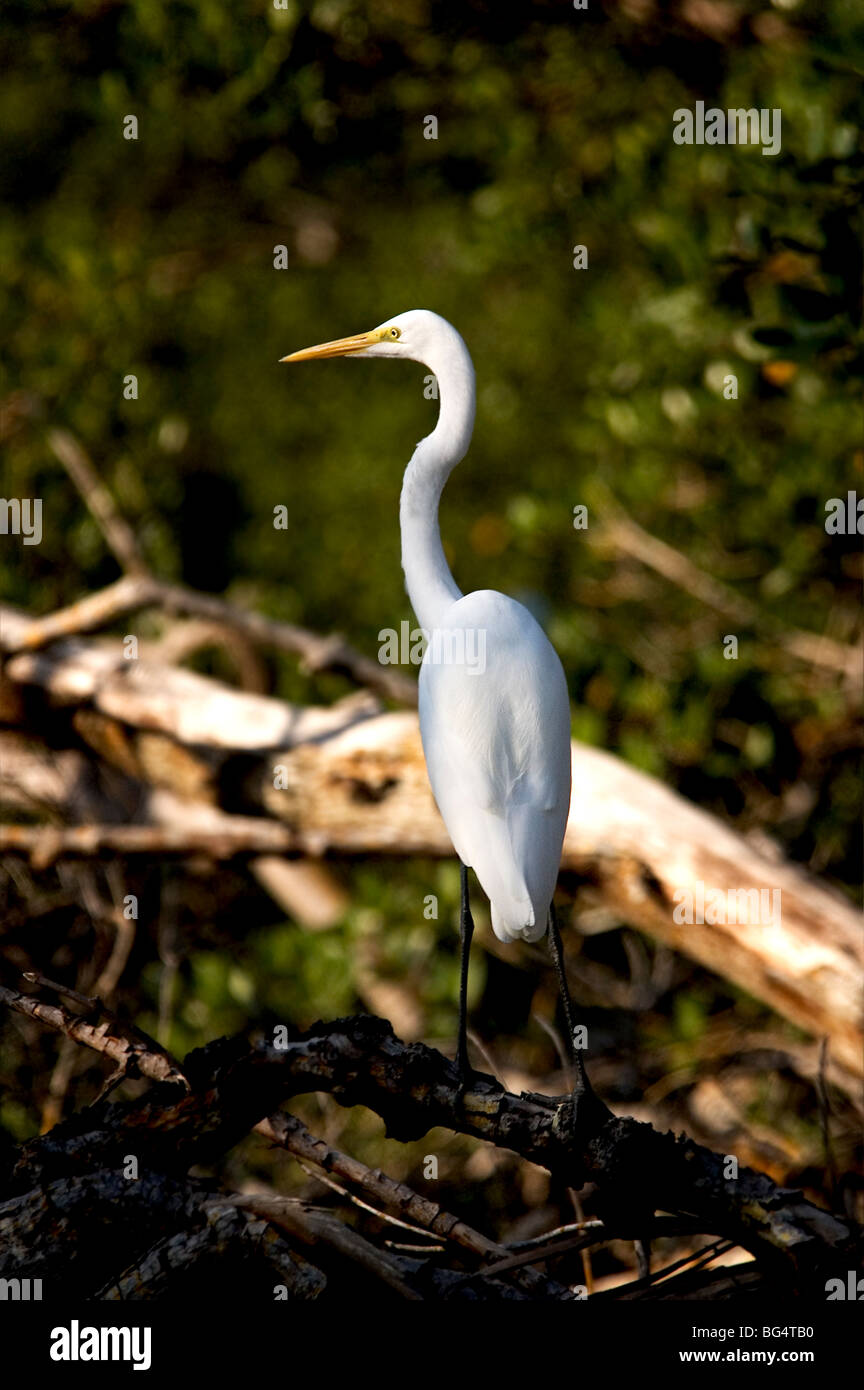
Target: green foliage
303,126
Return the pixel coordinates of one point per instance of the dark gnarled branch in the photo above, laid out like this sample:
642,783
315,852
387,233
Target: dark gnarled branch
360,1061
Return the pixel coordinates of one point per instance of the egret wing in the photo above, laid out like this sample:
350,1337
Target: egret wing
496,735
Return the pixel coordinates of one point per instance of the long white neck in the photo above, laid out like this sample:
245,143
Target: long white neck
431,587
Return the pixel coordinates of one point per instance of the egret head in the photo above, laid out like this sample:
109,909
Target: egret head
418,334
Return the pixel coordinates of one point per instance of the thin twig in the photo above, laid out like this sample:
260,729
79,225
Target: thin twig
129,1047
364,1206
114,527
414,1249
813,648
137,591
558,1233
87,1001
394,1197
698,1259
124,940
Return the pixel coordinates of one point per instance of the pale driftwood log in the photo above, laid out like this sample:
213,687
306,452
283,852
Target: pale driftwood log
347,780
365,790
136,591
164,699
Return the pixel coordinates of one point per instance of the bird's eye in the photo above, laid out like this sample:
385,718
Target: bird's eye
393,333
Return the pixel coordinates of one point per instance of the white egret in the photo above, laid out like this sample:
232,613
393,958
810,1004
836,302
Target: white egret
496,732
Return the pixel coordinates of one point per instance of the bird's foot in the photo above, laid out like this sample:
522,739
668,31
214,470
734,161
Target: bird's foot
585,1111
467,1077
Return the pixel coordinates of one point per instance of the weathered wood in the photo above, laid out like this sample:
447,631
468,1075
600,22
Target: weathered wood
348,780
360,1061
229,1235
136,591
394,1198
133,1051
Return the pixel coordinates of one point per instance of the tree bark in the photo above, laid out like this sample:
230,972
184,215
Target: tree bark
170,746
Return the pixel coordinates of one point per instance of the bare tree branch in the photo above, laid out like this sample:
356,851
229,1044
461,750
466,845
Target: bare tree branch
134,1052
136,591
395,1198
360,1061
812,648
353,782
114,527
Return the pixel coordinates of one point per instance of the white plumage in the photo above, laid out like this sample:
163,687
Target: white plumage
497,746
496,739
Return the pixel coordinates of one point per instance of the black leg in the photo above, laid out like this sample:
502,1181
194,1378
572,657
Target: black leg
557,953
466,931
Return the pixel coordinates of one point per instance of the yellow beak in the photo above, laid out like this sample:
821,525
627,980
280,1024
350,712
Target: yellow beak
340,347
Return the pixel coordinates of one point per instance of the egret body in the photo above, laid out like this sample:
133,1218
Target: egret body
496,733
